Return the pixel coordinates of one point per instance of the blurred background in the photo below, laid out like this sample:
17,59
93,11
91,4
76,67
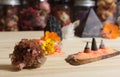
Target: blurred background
32,15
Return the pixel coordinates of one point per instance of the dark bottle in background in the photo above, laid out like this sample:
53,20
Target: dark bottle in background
60,5
61,10
35,16
106,11
118,13
10,11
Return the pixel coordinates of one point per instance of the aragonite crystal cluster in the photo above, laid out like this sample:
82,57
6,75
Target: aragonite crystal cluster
27,54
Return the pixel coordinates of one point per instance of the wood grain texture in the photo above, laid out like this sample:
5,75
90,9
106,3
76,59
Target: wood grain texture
56,66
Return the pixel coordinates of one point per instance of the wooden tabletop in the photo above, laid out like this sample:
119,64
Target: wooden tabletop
56,66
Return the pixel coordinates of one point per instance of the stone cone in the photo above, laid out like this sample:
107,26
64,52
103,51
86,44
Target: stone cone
94,45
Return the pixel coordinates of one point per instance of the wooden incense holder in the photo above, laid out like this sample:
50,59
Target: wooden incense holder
91,55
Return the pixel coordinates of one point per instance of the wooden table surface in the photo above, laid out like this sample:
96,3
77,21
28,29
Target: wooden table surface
56,66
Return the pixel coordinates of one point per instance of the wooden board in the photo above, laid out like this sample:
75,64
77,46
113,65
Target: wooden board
56,66
71,60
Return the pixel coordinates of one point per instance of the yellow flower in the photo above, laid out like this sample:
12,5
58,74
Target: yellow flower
48,46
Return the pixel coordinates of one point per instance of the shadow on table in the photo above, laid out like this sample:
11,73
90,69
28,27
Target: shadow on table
7,67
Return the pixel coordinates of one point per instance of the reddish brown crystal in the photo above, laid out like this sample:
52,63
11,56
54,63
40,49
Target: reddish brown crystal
27,54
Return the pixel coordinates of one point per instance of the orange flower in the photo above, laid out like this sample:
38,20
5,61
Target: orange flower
110,31
51,35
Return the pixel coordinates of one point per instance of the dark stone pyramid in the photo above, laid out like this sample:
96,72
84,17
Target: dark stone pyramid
91,27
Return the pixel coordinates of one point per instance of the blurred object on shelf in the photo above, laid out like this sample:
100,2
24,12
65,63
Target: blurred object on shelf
61,10
34,18
118,21
68,30
106,10
64,18
10,2
118,13
1,15
9,15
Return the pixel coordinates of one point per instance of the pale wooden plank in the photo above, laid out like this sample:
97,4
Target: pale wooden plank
56,66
